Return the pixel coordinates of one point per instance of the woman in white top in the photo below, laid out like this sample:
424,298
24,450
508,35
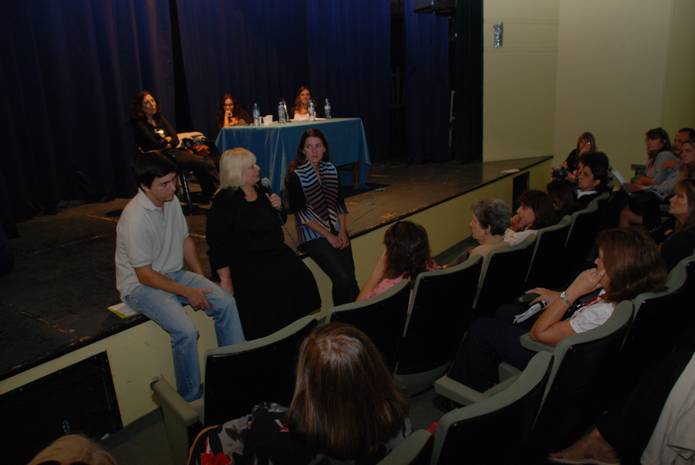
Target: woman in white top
536,211
628,264
301,104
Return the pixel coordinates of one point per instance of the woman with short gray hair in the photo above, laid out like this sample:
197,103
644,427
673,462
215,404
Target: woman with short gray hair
491,218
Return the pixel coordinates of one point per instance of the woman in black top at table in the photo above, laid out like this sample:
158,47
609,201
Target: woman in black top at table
271,284
313,190
154,133
230,113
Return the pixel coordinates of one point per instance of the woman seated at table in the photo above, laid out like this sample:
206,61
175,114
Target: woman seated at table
313,191
406,254
300,111
271,284
648,191
230,113
628,264
153,132
535,212
346,410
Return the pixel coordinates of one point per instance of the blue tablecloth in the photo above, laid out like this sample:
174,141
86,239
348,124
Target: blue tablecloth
275,145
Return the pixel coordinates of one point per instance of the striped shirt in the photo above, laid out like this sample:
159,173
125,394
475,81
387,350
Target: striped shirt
315,198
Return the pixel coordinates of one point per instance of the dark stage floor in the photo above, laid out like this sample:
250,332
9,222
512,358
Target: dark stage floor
56,298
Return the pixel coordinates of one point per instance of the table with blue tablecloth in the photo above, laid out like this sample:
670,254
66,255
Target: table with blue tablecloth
275,146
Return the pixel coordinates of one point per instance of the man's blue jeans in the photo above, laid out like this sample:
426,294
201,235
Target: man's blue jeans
166,310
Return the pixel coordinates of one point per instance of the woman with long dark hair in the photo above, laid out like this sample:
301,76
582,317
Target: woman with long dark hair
300,110
536,211
230,113
406,255
346,409
648,191
154,133
313,190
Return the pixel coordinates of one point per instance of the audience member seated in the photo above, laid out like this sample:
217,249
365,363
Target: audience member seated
585,143
535,212
346,409
592,178
406,254
683,134
313,190
648,191
687,160
562,195
230,113
300,110
681,242
652,427
628,264
73,449
153,132
271,284
489,221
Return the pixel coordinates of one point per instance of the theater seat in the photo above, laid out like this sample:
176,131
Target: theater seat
382,318
237,377
495,429
416,449
581,368
503,276
546,269
441,310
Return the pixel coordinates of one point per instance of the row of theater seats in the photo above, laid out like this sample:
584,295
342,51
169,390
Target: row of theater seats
563,389
417,337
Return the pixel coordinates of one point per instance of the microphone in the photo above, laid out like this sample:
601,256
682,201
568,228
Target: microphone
266,186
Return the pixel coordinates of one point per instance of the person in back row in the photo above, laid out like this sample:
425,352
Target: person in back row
152,244
300,110
648,191
592,178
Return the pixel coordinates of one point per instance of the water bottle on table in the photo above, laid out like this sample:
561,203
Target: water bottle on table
281,113
256,115
327,109
312,111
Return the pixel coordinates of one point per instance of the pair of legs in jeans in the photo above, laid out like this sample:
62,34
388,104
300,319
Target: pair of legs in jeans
338,265
166,310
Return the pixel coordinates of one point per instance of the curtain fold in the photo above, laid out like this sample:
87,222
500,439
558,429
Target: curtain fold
426,85
69,75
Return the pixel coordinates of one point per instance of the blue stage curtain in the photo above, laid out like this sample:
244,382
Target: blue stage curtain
69,72
426,86
262,51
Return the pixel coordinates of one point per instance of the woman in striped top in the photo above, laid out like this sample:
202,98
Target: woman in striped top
314,195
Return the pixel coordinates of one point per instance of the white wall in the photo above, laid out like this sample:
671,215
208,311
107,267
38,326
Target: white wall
613,67
519,79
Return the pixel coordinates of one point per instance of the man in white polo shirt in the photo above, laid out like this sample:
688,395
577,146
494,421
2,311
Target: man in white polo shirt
152,244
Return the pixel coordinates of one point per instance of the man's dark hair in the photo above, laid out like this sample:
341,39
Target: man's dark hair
599,165
150,166
690,132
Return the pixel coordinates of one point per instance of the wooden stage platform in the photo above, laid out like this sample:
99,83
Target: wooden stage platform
54,303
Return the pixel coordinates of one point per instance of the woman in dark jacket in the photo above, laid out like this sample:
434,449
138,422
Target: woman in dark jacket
153,132
271,284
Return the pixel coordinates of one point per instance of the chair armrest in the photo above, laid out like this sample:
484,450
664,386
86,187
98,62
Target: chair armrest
173,404
459,393
409,450
535,346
